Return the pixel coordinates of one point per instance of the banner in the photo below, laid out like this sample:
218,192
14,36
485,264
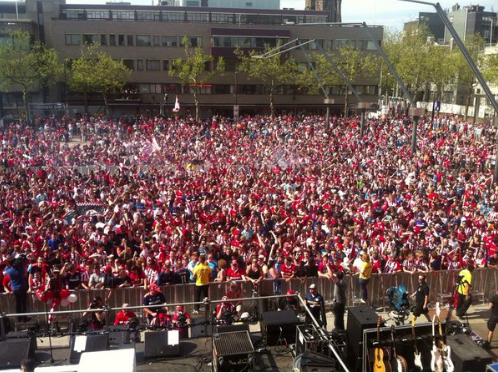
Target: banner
54,106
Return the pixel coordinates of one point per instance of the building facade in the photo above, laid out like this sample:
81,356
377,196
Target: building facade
332,7
237,4
148,38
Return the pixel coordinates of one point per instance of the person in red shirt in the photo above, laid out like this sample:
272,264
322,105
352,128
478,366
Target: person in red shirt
288,270
181,320
124,316
234,273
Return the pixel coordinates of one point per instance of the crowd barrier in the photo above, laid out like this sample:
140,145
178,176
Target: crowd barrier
441,284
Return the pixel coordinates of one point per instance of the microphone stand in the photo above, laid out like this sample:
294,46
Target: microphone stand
49,335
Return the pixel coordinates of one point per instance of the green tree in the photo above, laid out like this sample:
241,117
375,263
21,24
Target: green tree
95,71
195,70
27,66
491,68
353,63
274,72
466,77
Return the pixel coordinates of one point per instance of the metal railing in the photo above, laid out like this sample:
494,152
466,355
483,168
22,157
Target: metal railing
440,282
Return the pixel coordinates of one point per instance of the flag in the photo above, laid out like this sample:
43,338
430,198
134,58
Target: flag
177,104
155,145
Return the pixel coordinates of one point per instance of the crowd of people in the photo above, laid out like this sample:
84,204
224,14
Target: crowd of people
140,201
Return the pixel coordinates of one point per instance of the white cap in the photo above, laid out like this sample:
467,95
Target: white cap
312,286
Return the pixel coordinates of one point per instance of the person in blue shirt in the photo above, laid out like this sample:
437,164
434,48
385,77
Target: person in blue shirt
19,282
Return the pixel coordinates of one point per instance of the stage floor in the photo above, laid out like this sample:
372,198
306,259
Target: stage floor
196,353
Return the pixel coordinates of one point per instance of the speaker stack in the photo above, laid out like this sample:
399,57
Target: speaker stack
279,325
14,350
359,319
466,355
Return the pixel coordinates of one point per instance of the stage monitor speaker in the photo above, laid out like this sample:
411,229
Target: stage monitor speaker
161,344
279,325
310,361
87,343
199,329
231,328
13,351
466,355
359,319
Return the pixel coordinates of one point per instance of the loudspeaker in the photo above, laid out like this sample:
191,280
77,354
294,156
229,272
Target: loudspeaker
231,328
13,351
199,329
466,355
359,319
278,325
87,343
162,344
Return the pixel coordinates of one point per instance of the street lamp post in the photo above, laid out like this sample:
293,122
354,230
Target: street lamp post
416,114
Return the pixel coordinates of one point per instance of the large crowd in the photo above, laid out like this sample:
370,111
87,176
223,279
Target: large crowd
134,201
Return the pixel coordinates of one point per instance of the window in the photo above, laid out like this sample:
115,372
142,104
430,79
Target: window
170,41
194,41
140,65
97,14
73,39
343,43
367,45
148,16
90,38
314,44
156,41
192,3
123,15
144,41
103,39
129,64
130,40
165,65
153,65
112,40
221,18
248,5
121,40
75,14
173,16
198,17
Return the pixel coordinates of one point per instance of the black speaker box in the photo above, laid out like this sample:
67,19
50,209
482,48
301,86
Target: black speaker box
278,325
466,355
359,319
232,328
199,329
161,344
13,351
94,342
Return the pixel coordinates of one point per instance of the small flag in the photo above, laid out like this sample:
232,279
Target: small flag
177,104
155,145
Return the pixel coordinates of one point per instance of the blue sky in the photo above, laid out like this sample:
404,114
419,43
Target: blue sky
390,13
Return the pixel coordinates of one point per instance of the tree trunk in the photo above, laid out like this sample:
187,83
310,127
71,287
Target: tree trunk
346,102
86,102
271,103
105,103
26,108
196,101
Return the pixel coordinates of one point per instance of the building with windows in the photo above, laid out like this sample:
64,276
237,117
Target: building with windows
467,20
236,4
332,7
148,38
